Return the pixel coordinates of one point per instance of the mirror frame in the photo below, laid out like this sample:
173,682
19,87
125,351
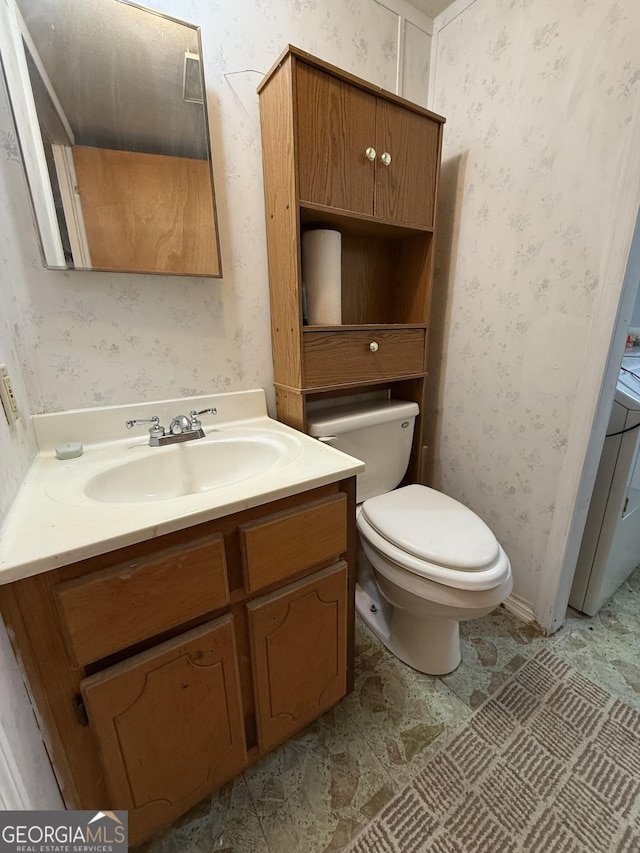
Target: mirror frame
22,105
25,118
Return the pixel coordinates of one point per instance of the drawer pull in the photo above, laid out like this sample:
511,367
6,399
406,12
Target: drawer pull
373,346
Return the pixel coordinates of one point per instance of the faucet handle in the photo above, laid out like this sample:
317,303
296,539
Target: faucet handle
155,431
193,414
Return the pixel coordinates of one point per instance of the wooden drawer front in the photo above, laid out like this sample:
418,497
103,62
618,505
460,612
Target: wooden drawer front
169,725
282,544
109,610
343,358
299,649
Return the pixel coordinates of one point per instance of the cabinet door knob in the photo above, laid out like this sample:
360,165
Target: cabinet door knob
370,153
373,346
386,158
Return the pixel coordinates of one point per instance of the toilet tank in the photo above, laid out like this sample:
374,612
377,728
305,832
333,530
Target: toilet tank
379,432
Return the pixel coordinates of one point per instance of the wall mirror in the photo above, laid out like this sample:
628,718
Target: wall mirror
109,104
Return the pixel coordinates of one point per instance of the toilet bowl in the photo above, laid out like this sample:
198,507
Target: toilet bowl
426,562
435,564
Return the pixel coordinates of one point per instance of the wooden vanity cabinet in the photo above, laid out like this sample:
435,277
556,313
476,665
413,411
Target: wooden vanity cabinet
342,154
161,670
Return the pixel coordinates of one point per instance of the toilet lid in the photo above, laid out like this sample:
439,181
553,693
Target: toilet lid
433,527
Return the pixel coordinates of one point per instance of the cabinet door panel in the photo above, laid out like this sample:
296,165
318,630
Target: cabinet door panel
406,188
345,357
169,724
336,125
298,639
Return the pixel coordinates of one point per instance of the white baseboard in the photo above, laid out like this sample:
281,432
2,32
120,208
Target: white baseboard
520,607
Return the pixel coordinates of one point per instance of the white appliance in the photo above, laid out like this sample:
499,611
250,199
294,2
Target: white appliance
610,549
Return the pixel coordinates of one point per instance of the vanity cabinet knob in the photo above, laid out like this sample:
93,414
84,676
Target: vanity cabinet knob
370,153
386,158
373,346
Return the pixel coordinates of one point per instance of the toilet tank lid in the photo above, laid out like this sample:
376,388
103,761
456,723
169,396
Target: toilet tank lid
333,420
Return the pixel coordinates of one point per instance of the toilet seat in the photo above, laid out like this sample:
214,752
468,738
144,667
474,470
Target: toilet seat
456,548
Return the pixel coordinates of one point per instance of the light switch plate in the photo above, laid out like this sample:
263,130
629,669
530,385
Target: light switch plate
6,395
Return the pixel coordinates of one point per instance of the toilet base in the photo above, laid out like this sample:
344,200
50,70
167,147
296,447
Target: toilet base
428,644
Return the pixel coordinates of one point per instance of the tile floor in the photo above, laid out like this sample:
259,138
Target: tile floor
317,791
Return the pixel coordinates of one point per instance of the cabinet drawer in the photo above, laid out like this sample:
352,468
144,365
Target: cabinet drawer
343,358
287,542
109,610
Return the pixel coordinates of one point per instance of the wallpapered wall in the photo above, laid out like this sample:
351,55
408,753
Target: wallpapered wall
539,98
17,443
20,744
75,339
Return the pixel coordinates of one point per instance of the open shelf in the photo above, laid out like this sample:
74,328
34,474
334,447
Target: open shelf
358,225
384,280
364,327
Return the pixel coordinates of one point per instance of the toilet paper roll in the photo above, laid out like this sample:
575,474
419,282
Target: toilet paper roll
322,276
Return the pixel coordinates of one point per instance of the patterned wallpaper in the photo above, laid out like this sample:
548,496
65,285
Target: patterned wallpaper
539,97
17,443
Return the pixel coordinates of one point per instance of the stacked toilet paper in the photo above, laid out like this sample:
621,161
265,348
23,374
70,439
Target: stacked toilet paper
322,276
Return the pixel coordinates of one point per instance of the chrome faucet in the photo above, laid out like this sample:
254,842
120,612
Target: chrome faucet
180,425
181,428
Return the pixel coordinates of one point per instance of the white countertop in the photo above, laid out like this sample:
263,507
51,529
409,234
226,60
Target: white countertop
53,522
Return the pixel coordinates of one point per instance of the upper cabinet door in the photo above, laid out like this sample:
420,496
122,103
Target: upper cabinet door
362,153
406,165
336,124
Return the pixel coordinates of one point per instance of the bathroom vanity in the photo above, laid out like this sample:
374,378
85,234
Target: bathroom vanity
163,657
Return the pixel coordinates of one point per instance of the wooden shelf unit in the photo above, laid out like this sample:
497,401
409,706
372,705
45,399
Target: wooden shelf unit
320,126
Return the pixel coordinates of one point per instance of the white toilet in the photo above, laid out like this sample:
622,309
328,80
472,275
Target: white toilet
426,561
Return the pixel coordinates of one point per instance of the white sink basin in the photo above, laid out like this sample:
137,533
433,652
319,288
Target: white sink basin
186,469
137,473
